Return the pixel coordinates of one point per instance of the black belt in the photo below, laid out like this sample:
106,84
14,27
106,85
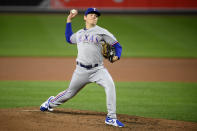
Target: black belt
87,66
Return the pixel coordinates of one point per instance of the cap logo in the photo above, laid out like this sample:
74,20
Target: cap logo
94,9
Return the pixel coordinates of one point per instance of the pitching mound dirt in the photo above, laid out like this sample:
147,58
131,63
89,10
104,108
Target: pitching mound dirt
25,119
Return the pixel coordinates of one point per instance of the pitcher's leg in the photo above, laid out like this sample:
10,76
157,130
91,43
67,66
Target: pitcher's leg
103,78
110,92
77,83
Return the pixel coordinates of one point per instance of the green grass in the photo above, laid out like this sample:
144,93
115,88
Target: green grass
140,36
176,101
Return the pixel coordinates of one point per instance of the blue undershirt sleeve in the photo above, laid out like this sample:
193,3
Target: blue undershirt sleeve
68,32
118,49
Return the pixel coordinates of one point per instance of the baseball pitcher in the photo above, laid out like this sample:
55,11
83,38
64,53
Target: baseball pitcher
93,43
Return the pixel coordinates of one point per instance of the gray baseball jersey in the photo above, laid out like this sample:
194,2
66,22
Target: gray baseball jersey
89,44
90,67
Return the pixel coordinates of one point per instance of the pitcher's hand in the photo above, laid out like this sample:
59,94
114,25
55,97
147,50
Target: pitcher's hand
72,14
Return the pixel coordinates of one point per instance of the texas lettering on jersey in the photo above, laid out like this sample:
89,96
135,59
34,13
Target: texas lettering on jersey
87,38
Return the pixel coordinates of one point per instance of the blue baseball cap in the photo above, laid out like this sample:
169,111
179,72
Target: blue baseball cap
92,10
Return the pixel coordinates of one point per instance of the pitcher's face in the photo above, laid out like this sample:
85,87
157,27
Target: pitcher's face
91,18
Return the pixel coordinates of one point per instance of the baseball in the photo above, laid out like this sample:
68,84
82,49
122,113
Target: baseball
73,11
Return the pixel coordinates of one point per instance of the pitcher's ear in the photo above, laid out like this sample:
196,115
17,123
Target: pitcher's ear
85,17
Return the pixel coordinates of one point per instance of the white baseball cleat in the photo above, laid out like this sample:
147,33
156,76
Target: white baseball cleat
45,106
113,122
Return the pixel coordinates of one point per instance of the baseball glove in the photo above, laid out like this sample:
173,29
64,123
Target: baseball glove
108,52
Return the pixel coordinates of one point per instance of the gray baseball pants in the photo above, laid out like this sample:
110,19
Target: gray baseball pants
83,76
